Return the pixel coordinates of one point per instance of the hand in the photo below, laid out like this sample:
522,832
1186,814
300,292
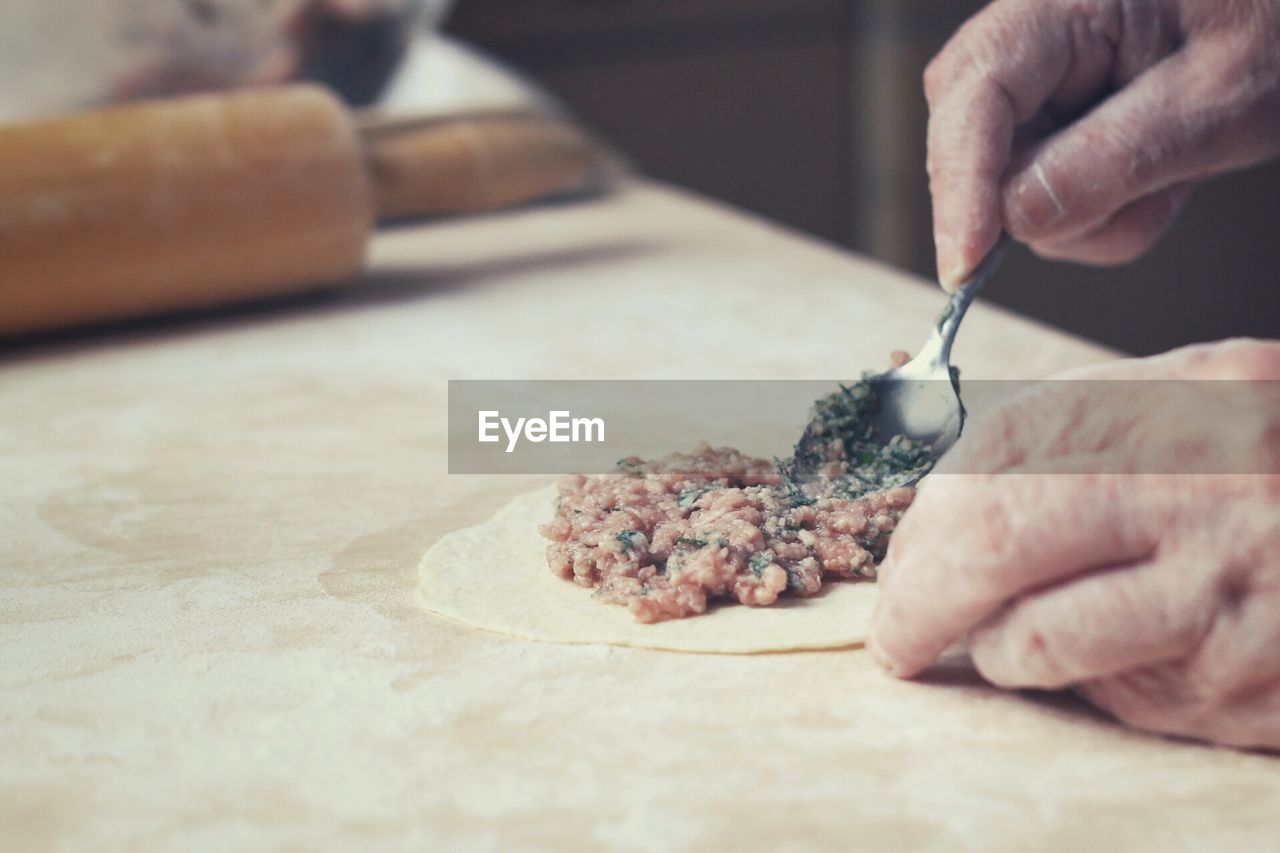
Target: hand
1155,595
1078,125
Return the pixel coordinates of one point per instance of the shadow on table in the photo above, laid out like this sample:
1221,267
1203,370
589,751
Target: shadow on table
956,670
387,285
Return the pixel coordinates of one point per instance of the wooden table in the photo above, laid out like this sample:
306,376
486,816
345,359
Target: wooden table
209,534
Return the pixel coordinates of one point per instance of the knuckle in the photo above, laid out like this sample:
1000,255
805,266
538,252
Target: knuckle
1012,655
1155,698
1241,358
1249,359
1194,360
934,80
1132,706
1242,57
1133,161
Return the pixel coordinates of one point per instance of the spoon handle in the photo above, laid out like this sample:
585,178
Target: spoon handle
938,347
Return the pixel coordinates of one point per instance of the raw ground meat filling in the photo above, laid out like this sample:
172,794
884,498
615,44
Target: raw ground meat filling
664,537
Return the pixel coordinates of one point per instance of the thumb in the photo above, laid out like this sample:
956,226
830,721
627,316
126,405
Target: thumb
1189,116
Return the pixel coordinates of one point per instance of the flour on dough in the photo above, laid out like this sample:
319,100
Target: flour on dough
494,577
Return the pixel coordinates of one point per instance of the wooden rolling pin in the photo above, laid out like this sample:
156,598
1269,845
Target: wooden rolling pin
193,202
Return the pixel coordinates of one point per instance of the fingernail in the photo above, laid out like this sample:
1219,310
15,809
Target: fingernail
951,263
878,655
1032,202
953,275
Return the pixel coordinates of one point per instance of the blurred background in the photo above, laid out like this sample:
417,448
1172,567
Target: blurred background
808,112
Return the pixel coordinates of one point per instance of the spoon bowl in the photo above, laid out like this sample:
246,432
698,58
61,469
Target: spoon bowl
919,400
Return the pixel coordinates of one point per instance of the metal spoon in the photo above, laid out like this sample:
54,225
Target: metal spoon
921,399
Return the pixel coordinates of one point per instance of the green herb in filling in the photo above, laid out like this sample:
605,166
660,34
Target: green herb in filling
631,540
840,430
794,493
760,562
690,497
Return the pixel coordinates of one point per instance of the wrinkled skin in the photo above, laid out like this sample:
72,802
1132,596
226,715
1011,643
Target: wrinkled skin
1155,595
1079,125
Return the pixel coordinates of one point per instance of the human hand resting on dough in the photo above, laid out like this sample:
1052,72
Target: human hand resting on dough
1079,125
1155,595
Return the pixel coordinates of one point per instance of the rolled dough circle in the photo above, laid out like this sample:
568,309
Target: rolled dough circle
494,577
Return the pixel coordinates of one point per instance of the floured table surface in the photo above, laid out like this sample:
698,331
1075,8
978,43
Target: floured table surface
209,635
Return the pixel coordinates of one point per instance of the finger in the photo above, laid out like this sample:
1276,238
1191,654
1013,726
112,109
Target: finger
1061,424
1126,236
1096,625
970,543
1087,413
1172,124
1157,699
1234,359
997,72
968,154
1228,691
